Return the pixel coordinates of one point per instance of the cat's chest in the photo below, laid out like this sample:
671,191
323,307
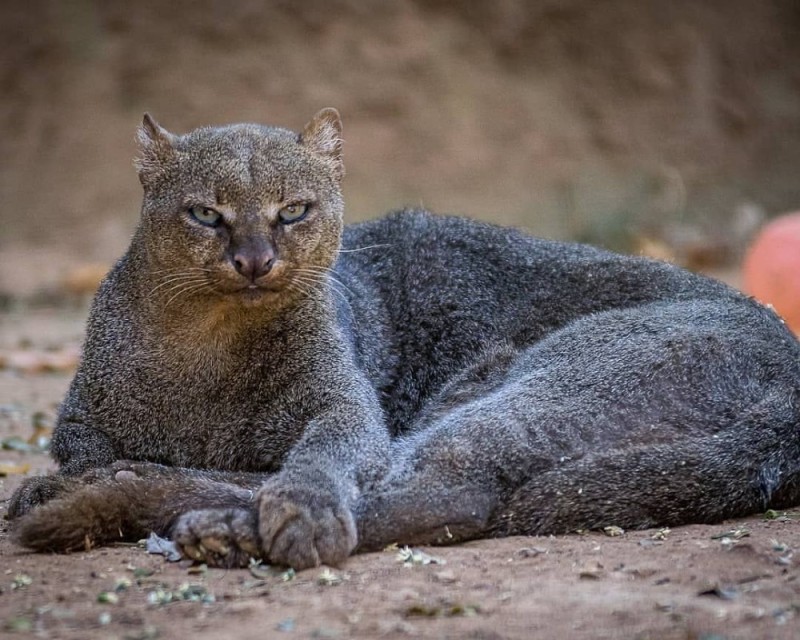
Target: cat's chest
188,415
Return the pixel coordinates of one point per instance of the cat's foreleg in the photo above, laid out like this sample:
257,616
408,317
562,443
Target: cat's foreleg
166,500
77,448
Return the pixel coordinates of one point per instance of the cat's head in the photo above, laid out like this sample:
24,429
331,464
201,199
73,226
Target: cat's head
245,213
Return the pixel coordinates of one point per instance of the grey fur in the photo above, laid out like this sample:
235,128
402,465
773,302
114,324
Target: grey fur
431,379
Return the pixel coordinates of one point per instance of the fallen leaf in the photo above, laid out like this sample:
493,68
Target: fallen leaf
11,468
449,610
734,534
21,580
161,546
15,443
530,552
265,571
194,593
328,578
141,572
107,597
122,584
414,557
720,591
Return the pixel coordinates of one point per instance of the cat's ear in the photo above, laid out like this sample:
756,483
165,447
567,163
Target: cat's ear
156,149
323,136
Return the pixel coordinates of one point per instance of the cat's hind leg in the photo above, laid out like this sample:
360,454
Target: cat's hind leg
750,467
663,414
126,507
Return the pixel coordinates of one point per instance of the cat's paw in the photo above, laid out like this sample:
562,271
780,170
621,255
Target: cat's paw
219,537
36,491
302,526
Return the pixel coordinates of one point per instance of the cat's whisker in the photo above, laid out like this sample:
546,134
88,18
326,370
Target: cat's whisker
173,270
312,284
188,289
302,287
326,273
181,268
336,281
317,276
178,273
372,246
308,280
185,286
176,278
295,286
180,282
311,269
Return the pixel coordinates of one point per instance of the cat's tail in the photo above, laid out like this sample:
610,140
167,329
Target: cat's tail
750,467
120,510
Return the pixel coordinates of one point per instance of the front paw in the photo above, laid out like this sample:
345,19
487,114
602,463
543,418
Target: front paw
36,491
219,537
302,526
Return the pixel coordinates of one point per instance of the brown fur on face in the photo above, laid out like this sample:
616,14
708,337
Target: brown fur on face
246,173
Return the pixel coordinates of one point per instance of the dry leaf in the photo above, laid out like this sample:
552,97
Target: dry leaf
412,557
11,468
162,546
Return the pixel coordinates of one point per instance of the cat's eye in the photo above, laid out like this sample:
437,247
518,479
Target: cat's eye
206,216
293,212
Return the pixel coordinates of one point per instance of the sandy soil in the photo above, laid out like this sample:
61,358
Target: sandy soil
675,122
689,583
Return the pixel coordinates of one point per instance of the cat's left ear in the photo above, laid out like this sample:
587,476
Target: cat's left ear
323,136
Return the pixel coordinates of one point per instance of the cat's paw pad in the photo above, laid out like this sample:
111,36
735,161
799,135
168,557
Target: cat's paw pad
303,527
36,491
218,537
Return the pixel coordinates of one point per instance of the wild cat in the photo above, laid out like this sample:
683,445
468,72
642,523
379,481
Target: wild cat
259,380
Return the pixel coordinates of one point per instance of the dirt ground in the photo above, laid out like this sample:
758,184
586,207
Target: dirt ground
666,127
737,579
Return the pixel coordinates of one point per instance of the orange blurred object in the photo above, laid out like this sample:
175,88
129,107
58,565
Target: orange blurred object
771,268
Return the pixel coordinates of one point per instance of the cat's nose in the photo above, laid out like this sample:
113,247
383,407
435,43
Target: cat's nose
253,264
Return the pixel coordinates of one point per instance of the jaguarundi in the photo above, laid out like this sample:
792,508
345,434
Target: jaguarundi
259,380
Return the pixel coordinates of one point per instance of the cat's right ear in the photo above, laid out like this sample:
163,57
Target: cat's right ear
156,149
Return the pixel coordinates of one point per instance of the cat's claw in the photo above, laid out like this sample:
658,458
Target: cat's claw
219,537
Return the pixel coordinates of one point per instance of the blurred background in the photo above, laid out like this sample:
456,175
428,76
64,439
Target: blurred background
665,127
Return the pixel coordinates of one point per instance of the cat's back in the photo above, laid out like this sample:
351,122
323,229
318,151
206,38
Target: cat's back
447,289
462,270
